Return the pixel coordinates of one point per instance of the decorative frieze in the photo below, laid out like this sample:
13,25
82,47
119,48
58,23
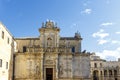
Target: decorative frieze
50,62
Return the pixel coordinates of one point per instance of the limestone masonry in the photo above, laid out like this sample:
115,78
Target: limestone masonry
51,57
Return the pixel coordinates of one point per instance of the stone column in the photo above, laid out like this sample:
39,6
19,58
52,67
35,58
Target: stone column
42,70
108,73
99,74
57,66
118,72
102,74
113,73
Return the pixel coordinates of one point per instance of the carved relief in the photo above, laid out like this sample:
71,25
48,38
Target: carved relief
48,61
67,70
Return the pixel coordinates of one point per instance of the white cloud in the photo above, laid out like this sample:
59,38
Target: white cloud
73,25
102,41
100,34
117,32
115,42
86,3
114,54
87,11
107,24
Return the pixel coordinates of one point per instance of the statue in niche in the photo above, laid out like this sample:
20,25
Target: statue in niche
37,70
49,41
61,69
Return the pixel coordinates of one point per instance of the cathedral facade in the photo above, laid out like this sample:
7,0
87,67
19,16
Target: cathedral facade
50,56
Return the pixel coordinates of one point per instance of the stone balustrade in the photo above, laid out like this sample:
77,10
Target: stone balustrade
48,49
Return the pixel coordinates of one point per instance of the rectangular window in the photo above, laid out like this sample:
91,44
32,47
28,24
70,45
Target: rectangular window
2,34
0,62
73,49
100,64
8,40
6,65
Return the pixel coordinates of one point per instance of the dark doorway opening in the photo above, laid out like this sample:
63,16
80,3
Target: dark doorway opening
24,49
95,75
116,79
49,73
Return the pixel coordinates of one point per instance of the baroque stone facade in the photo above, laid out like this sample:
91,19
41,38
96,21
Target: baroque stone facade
51,57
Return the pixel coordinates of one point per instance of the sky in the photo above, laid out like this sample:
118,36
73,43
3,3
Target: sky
98,21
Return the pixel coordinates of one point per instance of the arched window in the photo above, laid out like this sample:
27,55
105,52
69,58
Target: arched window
101,72
100,64
110,72
115,72
95,65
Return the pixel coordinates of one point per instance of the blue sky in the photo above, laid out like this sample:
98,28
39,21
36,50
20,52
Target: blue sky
98,21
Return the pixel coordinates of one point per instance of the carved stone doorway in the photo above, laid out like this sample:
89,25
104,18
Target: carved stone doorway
49,73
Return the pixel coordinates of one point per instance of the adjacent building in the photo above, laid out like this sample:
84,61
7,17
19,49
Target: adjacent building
104,70
6,51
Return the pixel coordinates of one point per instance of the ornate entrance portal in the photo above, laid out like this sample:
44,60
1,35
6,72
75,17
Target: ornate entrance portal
49,73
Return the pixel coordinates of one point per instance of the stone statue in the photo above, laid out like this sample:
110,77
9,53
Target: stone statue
37,70
61,70
43,24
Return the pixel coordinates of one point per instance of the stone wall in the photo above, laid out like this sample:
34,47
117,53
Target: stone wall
65,65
